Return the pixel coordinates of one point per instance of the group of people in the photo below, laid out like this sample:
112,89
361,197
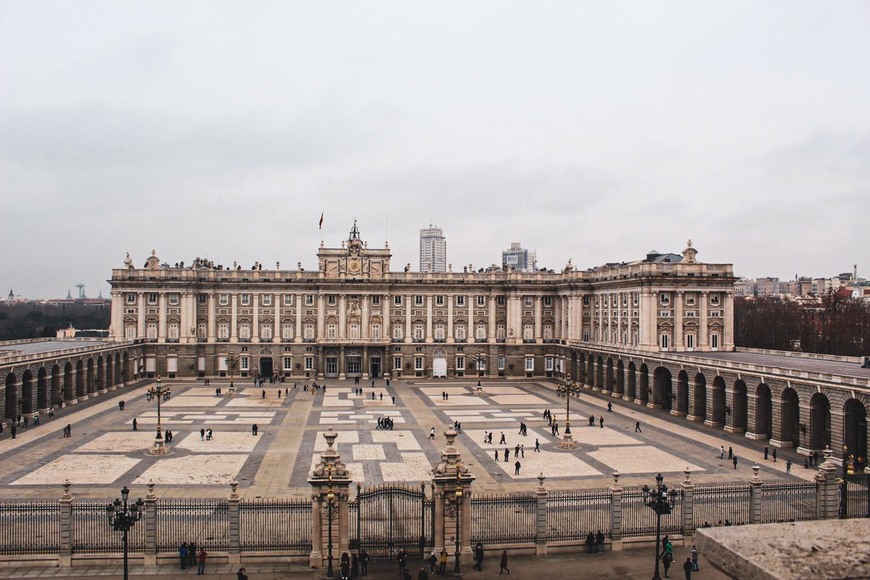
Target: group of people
26,420
354,565
437,563
189,557
385,423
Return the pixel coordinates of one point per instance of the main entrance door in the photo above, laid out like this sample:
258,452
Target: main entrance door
389,518
265,363
375,366
354,365
332,366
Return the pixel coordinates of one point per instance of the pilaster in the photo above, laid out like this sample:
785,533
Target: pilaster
688,506
65,547
756,495
233,509
150,518
828,497
616,513
541,517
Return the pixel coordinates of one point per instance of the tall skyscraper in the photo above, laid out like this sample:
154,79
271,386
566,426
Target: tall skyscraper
519,258
433,250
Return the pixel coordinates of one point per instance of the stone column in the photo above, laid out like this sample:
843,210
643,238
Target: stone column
150,518
331,483
756,491
678,323
541,518
277,331
140,317
161,317
65,547
428,318
408,334
212,319
703,337
255,320
828,496
233,508
297,335
342,316
616,513
234,317
688,507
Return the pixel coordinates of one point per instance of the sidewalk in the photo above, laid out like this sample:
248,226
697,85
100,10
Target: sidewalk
632,564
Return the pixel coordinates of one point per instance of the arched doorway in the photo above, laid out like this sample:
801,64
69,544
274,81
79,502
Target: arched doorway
110,367
739,407
42,388
125,367
439,363
763,411
820,422
663,391
682,393
11,398
266,365
789,417
577,370
55,386
698,408
620,378
608,379
353,363
718,407
100,384
590,371
631,393
91,381
643,386
68,382
27,392
80,379
855,429
599,373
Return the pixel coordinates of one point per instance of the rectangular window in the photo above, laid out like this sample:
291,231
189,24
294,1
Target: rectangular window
548,332
266,300
397,363
131,298
203,298
714,341
586,300
398,331
245,299
308,331
548,300
397,300
585,335
714,299
460,332
460,363
244,363
480,332
499,300
499,331
172,331
309,363
528,301
287,330
331,300
500,362
690,341
376,300
151,331
530,365
152,298
528,332
224,299
439,301
439,332
331,331
173,299
288,300
418,363
309,300
664,298
223,330
376,331
665,341
353,331
130,332
690,299
548,364
202,330
244,331
287,363
460,300
481,301
419,332
265,332
418,300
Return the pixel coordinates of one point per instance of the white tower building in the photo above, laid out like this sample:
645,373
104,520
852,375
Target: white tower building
433,250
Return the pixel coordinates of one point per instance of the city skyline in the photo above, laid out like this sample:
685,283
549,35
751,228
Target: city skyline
591,132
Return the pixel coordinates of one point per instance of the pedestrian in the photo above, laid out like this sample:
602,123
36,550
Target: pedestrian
241,574
191,554
774,454
496,454
590,542
537,446
730,453
734,459
601,422
516,451
507,454
687,568
67,431
208,434
354,566
202,434
401,559
765,452
806,462
478,557
667,558
201,556
609,407
637,427
264,393
722,452
442,561
788,466
432,433
254,429
364,562
599,541
135,424
522,450
502,440
433,561
517,466
422,575
182,554
503,565
591,420
694,553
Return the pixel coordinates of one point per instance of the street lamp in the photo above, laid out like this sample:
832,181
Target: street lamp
478,360
330,500
121,516
456,566
158,392
232,360
662,501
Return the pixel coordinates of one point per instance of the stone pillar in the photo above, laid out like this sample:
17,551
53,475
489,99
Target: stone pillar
331,483
756,491
616,513
150,518
65,547
828,496
452,482
541,518
688,507
233,508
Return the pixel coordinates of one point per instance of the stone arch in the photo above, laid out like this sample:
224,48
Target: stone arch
820,422
717,408
110,372
698,408
855,429
577,366
90,381
643,386
662,388
55,397
100,384
42,394
27,392
739,408
125,367
789,414
590,370
763,411
620,378
80,378
682,393
69,387
608,376
599,372
119,377
11,397
631,392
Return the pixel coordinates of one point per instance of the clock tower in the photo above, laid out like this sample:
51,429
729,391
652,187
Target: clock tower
354,260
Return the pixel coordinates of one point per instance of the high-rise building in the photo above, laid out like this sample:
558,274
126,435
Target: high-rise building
433,250
518,258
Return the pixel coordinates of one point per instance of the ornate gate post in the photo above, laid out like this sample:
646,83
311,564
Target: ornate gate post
541,516
756,489
329,510
65,555
828,494
616,513
233,508
688,507
150,526
452,482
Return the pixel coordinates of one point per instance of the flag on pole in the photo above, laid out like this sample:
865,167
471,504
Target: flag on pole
320,225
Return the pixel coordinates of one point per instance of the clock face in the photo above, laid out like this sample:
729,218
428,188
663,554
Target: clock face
353,266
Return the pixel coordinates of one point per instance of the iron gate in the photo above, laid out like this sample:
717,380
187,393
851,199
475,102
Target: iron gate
391,517
855,496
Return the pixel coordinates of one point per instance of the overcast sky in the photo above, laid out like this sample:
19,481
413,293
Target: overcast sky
595,131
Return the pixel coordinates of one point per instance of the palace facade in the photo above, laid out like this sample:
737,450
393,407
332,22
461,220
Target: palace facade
354,317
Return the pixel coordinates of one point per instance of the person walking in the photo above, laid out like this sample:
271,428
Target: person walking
503,565
182,554
254,429
788,466
401,559
364,562
537,446
734,460
637,427
433,561
687,568
722,452
774,454
601,422
693,551
241,574
517,466
765,452
478,557
667,558
201,556
730,452
135,424
442,562
502,440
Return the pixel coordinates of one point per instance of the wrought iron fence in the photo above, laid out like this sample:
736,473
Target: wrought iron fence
788,502
30,527
639,520
203,522
275,525
503,519
855,498
386,518
716,504
92,534
571,515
